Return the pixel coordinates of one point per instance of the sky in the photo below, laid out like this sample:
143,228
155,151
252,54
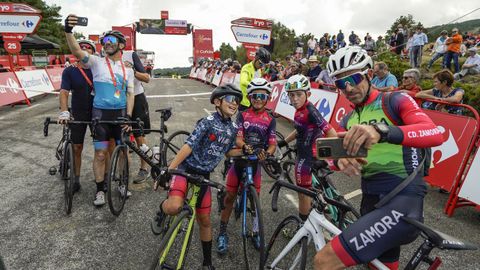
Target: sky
304,16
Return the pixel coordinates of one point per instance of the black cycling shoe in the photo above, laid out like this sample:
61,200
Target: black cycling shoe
158,223
76,187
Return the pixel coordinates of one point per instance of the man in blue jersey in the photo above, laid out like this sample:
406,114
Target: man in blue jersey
114,96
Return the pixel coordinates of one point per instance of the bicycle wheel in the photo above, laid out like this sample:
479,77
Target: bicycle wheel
117,180
68,176
173,145
296,258
175,243
254,259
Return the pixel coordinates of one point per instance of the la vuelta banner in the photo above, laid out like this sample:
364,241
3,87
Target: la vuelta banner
202,44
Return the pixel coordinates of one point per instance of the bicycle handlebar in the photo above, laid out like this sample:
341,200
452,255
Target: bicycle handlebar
48,121
200,180
316,196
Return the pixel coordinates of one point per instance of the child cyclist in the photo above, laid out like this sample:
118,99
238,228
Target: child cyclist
309,125
256,130
212,137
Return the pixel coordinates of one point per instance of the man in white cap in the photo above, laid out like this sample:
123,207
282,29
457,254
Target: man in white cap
314,69
471,65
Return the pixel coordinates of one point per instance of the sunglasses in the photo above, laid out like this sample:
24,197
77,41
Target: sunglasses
231,99
111,39
86,47
407,77
352,80
259,96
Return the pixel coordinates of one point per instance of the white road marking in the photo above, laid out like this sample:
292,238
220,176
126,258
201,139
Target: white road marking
195,99
353,194
33,106
188,92
179,95
292,199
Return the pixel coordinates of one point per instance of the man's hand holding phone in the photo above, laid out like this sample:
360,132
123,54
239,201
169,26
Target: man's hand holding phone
72,20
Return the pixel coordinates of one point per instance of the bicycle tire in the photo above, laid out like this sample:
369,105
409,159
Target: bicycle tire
184,217
69,173
249,252
173,144
289,168
117,180
279,241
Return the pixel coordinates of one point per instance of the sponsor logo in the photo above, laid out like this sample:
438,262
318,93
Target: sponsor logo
447,149
323,107
264,36
4,8
379,228
28,23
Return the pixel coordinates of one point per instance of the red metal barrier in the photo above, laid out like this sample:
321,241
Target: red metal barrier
10,95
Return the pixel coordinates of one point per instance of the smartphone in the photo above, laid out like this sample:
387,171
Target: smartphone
82,21
332,148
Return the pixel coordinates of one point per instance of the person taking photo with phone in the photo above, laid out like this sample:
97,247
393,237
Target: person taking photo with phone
114,95
394,129
309,126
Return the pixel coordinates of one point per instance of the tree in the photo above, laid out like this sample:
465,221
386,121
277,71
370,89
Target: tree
407,22
227,51
284,41
241,55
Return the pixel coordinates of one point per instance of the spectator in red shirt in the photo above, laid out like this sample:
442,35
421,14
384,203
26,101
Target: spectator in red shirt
410,80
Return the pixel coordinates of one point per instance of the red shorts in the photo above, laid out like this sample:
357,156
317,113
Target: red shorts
179,187
238,169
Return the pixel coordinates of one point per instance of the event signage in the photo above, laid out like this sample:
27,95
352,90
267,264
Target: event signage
164,14
12,47
202,44
14,37
171,30
176,23
19,23
251,35
35,80
253,22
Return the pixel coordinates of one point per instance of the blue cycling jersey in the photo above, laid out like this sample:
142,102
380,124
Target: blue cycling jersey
212,137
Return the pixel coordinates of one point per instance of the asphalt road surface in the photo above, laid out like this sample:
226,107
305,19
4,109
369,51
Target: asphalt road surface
35,233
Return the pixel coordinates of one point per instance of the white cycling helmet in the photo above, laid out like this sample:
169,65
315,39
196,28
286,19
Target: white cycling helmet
297,82
259,84
89,42
348,58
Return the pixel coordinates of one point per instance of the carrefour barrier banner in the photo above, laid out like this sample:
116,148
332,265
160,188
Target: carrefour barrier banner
36,80
228,77
9,92
202,44
446,159
471,186
217,78
55,75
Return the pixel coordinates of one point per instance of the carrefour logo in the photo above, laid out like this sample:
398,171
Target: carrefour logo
264,36
323,107
28,23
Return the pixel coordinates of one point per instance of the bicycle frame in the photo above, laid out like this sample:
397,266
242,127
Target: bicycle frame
313,229
248,182
192,201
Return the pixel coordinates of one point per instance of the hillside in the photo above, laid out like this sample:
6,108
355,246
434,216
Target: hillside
466,26
167,72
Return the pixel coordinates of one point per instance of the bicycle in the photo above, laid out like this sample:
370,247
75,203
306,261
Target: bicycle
248,205
177,230
65,155
317,223
118,175
273,167
168,149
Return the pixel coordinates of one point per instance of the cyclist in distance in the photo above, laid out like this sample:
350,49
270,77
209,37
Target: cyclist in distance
262,57
395,129
78,80
212,137
309,125
256,130
114,96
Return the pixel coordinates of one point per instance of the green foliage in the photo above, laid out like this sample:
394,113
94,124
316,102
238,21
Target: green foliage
284,41
304,38
394,63
466,26
241,55
168,72
227,51
406,21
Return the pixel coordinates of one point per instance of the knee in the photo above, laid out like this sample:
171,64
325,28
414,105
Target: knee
100,155
78,148
172,207
229,199
204,221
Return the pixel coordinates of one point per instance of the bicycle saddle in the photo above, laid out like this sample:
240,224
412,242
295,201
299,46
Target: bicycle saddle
439,239
165,112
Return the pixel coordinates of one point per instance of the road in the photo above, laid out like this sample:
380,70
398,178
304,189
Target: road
36,234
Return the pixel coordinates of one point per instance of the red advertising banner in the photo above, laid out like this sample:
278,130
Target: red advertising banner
4,60
342,107
129,34
164,14
202,44
172,30
14,37
277,88
446,159
55,75
253,22
10,95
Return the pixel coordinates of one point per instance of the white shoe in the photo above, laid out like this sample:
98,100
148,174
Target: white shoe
121,189
99,199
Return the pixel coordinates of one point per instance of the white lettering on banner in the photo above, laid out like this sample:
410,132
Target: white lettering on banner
340,114
12,86
376,230
448,149
176,23
274,94
206,51
4,8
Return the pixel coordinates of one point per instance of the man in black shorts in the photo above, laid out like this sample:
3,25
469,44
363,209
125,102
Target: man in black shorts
78,80
140,107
